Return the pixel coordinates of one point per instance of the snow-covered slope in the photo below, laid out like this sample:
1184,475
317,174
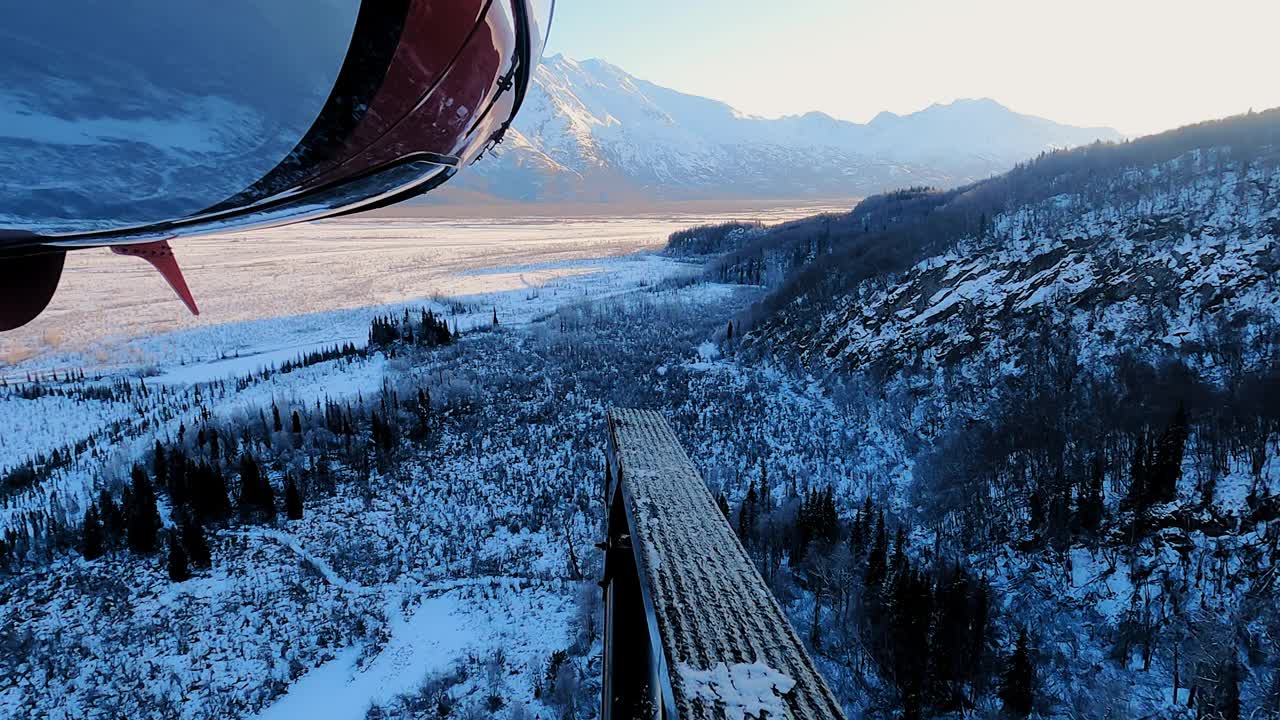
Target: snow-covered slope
1128,250
590,131
1146,279
1018,345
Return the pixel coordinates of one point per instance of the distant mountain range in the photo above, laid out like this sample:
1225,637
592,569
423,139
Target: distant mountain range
592,132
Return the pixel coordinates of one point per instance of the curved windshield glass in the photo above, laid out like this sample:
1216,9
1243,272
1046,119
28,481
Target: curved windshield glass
132,112
540,16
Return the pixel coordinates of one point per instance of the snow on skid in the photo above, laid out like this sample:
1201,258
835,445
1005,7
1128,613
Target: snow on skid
689,559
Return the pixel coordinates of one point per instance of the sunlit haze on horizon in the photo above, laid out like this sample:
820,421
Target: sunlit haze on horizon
1139,66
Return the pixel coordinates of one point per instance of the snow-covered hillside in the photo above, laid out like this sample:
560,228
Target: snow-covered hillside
1077,367
1147,246
590,131
1167,253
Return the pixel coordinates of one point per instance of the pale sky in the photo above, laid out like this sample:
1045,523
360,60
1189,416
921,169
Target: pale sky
1139,66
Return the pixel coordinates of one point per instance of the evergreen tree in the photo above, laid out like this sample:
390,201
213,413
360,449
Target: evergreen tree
747,515
723,503
1166,467
1058,515
178,478
160,465
257,498
382,433
978,635
804,529
142,519
422,415
855,533
1017,690
208,488
250,483
193,539
495,316
292,499
900,561
276,425
268,495
297,423
1035,505
868,509
1092,497
178,570
113,527
827,521
949,640
1220,696
878,560
910,608
92,544
1139,493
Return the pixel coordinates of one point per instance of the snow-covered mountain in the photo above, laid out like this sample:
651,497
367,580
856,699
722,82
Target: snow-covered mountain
1133,247
592,132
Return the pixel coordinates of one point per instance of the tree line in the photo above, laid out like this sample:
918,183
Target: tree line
222,475
928,628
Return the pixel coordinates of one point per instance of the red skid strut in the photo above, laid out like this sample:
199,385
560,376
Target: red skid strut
160,255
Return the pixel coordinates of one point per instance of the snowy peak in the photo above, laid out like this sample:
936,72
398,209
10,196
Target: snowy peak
590,131
960,133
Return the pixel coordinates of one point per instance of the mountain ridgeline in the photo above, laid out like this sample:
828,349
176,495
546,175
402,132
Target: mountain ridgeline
1065,382
1185,220
591,132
